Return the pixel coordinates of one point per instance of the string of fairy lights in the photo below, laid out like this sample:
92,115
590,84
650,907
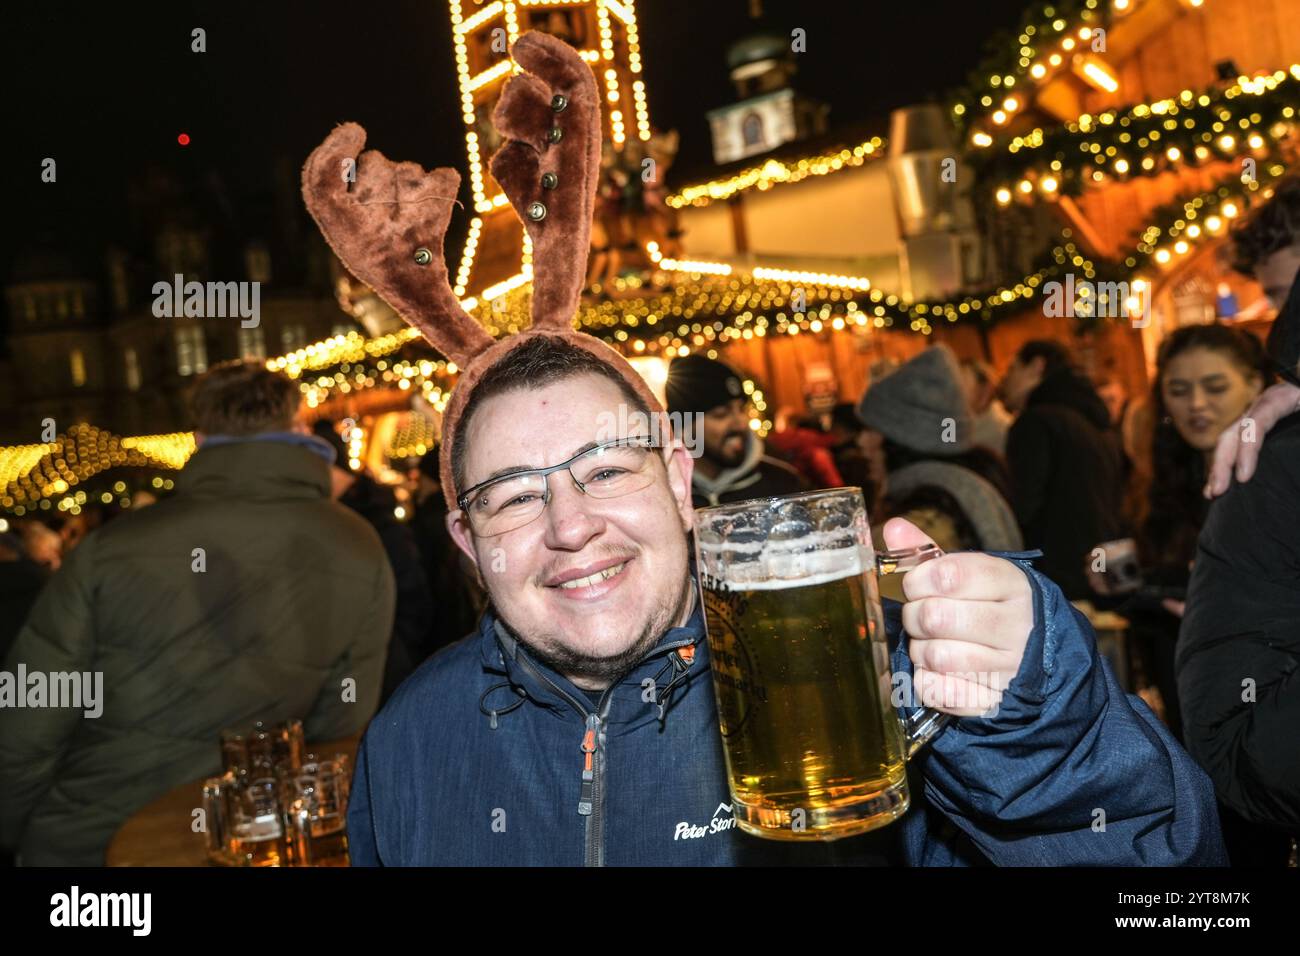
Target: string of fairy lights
34,476
625,91
1054,38
1247,119
775,172
1180,227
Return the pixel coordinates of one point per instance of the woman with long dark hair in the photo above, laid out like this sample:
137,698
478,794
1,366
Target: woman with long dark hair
1206,377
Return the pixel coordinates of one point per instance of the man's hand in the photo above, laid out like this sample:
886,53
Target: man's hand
968,617
1273,404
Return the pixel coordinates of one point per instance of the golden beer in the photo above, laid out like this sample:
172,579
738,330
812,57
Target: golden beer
800,665
811,740
263,844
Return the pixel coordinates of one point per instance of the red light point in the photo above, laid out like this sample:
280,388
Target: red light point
183,139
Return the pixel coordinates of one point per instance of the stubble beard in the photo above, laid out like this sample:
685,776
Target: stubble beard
584,669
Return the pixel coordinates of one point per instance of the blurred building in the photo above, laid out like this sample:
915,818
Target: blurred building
84,344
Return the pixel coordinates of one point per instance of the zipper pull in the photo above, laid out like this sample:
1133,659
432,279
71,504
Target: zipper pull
588,767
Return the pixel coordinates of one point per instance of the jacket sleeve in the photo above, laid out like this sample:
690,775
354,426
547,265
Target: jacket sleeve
1069,771
335,716
363,849
58,636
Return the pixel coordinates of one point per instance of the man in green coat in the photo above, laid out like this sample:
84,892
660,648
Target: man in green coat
248,595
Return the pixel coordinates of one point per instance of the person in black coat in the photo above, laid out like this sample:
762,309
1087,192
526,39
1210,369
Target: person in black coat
1064,459
453,582
413,628
1239,648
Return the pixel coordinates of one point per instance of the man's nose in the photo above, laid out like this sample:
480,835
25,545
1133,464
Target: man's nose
570,518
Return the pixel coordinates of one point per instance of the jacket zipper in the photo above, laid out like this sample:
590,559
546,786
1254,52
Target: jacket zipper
591,802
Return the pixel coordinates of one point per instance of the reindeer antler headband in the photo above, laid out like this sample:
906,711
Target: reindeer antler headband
387,221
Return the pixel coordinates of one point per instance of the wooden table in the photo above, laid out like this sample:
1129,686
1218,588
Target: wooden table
161,834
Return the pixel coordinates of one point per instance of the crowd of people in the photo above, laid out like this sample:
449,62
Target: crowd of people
279,582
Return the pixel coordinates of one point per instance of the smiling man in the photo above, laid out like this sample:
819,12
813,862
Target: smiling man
578,725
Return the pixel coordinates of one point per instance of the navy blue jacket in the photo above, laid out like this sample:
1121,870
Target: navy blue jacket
478,760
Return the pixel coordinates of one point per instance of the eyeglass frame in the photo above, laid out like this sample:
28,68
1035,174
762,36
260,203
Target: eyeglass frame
545,474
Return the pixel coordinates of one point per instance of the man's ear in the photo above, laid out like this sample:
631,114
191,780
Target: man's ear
459,530
681,466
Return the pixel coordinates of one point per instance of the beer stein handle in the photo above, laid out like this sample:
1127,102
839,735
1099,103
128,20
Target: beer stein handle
924,725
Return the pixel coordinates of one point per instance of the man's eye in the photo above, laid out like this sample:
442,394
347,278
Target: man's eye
520,499
605,474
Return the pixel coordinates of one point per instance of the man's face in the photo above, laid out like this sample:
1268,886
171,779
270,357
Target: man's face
595,632
726,432
1021,379
1276,273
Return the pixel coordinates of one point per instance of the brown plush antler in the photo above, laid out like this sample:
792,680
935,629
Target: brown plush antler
386,222
549,166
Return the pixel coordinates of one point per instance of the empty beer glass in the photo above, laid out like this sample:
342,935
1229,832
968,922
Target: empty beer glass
218,792
800,664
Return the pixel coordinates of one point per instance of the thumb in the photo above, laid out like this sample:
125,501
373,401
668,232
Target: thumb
900,533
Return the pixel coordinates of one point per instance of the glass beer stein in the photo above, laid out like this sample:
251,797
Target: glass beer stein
257,836
800,663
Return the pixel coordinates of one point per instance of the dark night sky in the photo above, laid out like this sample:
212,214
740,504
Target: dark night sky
106,88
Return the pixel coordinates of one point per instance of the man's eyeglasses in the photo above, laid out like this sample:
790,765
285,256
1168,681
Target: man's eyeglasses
609,470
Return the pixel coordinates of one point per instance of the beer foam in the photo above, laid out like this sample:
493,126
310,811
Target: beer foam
776,570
